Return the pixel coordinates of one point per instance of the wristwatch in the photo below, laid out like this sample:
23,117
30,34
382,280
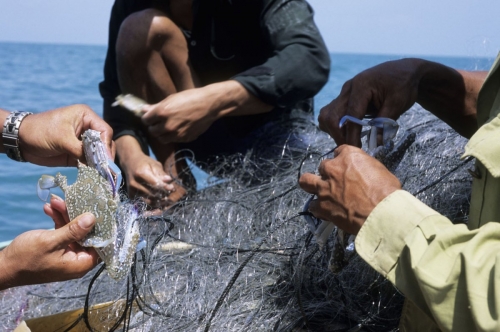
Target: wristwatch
10,135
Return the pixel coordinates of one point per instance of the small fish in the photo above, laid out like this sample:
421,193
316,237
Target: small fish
132,103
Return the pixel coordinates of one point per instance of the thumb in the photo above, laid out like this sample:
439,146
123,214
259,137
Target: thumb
74,148
76,230
357,107
148,114
147,108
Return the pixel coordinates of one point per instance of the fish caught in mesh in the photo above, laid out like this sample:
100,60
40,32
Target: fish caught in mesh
238,256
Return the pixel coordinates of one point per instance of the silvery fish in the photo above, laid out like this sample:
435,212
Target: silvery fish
130,102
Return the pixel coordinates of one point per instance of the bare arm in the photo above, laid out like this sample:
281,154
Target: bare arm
183,116
391,88
451,95
53,138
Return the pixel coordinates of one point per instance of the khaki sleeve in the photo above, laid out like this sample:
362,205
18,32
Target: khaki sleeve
447,270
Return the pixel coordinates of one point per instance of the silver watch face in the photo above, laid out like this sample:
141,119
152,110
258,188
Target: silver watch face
10,134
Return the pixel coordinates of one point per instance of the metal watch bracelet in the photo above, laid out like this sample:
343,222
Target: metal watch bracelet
10,135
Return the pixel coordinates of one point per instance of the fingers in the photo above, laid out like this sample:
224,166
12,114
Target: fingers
309,183
93,121
149,116
146,178
75,231
76,262
314,208
354,101
157,125
58,204
157,180
148,194
151,192
81,118
357,107
57,210
55,215
330,115
148,108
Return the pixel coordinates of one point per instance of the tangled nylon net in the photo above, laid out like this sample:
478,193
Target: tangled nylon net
237,255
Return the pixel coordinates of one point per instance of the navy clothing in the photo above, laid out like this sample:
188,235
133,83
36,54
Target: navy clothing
272,47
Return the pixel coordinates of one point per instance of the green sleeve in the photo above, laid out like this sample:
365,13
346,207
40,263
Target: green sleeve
300,63
447,270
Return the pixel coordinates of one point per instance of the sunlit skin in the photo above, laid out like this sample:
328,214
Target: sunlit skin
391,88
352,184
53,138
42,256
348,187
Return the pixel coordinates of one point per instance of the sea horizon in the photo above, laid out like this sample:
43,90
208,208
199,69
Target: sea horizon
42,76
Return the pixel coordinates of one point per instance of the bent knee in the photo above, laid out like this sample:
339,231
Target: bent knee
149,27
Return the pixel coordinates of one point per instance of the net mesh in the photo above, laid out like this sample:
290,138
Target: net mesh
237,256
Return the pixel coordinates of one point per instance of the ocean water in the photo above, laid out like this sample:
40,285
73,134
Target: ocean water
39,77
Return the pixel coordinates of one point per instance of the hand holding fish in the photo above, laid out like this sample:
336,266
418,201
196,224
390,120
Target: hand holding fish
42,256
52,138
181,117
348,188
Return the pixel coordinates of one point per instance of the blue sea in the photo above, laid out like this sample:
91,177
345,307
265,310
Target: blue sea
39,77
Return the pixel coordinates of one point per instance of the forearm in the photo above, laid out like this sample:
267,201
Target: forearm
3,116
6,273
449,94
230,98
127,148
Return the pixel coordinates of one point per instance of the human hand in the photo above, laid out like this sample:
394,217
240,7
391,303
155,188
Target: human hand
181,117
147,179
53,138
43,256
348,188
386,90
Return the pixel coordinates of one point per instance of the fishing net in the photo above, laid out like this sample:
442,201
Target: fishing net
238,256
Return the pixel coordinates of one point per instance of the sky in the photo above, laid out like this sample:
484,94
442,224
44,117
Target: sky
402,27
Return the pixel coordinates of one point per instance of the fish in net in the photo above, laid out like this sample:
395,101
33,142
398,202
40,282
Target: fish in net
238,256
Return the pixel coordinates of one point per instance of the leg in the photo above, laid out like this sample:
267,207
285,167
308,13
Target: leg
152,56
152,63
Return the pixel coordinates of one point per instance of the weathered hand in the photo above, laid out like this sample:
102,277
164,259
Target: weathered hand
181,117
147,179
386,90
348,188
42,256
53,138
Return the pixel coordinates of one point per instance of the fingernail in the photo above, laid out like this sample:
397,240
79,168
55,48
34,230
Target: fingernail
86,221
57,198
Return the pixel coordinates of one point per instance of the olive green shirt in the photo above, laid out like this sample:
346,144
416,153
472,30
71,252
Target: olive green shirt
447,272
